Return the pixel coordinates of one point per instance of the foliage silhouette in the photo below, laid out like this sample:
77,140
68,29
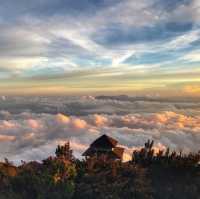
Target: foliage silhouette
150,175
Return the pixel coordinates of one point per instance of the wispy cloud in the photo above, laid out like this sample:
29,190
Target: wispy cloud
52,38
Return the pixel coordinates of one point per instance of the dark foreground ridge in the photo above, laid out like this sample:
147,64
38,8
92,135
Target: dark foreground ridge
102,175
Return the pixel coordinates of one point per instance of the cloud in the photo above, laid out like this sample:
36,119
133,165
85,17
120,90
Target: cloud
45,38
5,138
34,136
62,118
192,89
144,34
99,120
192,56
79,124
83,106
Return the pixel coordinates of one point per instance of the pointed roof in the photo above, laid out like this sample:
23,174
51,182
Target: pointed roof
104,142
101,144
88,152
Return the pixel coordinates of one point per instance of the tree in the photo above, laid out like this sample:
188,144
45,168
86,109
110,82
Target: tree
64,151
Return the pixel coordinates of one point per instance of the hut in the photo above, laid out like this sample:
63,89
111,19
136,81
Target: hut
105,148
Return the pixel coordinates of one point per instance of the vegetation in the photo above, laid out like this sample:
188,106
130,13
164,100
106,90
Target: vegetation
149,175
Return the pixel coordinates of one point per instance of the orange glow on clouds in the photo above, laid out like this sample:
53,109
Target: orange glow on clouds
7,138
62,118
33,123
100,120
194,90
79,123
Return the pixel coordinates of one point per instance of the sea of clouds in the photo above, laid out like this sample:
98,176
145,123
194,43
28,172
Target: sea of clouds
32,127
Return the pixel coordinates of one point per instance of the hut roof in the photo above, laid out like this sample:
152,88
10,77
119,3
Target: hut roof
104,142
88,152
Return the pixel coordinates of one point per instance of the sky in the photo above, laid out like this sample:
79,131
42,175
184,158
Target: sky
68,47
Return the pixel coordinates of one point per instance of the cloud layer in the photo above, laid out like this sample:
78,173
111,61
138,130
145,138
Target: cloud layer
34,136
